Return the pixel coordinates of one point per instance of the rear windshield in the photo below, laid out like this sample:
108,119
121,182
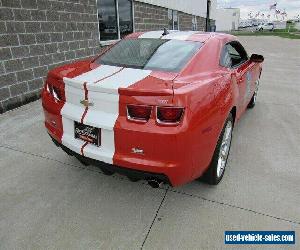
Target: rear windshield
152,54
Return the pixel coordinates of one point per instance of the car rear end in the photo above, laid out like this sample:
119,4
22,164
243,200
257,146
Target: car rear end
123,119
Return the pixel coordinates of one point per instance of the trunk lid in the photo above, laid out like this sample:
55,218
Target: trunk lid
100,90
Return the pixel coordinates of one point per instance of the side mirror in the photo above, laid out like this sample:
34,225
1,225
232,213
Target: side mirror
257,58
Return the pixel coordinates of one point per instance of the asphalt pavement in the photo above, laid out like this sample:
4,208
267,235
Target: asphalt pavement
48,200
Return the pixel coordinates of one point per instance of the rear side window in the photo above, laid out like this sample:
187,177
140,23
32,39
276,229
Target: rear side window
152,54
233,55
225,58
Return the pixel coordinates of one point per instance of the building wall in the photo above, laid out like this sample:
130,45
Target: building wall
201,23
37,35
225,19
151,17
185,21
194,7
213,9
280,24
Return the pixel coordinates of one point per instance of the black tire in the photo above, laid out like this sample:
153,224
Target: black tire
252,102
211,175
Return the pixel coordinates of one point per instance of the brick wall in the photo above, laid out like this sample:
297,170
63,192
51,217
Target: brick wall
185,21
201,23
150,17
37,35
212,22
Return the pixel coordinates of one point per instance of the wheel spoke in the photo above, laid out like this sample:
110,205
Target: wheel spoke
224,149
256,91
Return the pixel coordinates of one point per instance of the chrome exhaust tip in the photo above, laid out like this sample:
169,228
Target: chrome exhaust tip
155,183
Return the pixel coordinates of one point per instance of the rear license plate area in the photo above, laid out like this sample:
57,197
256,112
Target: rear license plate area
87,133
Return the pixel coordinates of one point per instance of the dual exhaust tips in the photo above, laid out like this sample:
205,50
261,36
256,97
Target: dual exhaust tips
152,182
155,183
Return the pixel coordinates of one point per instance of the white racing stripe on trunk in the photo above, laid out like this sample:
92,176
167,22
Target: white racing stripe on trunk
68,138
179,35
106,151
72,108
173,34
104,111
123,79
152,34
156,34
96,74
72,111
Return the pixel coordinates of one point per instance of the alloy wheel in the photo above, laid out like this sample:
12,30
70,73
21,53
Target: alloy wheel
224,149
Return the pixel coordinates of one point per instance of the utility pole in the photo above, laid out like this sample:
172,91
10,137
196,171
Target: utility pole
207,26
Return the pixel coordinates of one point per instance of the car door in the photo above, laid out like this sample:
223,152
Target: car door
241,70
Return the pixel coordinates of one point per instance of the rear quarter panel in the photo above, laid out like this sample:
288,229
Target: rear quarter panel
205,117
206,91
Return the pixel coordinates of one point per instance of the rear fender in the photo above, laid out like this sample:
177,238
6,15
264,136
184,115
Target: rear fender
226,94
202,122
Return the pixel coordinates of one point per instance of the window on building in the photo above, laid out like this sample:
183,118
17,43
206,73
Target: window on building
125,17
194,23
115,19
173,19
170,18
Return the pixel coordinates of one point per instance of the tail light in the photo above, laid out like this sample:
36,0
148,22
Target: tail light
169,115
55,91
139,112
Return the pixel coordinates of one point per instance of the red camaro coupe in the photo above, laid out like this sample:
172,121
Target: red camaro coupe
159,105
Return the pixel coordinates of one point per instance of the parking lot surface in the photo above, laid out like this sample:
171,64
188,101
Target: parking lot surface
48,200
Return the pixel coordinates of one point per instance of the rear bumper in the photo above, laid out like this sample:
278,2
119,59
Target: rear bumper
131,173
174,155
167,161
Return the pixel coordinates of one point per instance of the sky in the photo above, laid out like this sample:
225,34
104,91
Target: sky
292,7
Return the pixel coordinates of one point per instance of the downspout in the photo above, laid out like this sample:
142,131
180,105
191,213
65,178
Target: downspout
207,25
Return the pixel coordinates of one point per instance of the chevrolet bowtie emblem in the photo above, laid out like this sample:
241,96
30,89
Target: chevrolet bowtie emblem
86,103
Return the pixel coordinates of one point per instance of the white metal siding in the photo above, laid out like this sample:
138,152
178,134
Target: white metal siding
225,19
194,7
